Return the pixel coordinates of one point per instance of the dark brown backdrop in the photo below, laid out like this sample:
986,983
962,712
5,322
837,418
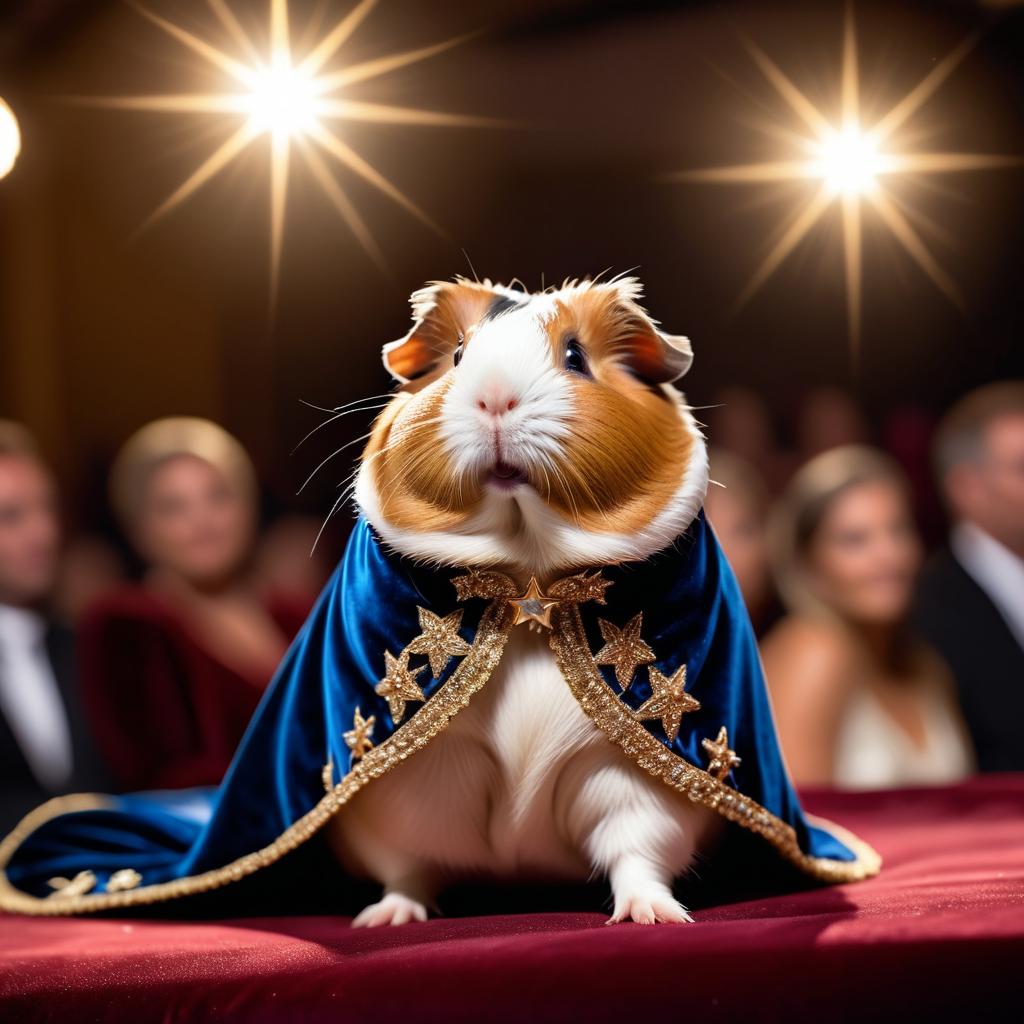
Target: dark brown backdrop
104,328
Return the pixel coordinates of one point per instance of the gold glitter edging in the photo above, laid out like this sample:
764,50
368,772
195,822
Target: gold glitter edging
431,719
568,641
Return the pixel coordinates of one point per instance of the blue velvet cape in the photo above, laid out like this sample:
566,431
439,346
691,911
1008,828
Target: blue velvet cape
324,728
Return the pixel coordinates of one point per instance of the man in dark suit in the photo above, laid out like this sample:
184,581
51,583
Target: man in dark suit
971,599
45,748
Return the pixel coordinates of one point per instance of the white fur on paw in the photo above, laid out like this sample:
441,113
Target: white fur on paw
649,908
394,908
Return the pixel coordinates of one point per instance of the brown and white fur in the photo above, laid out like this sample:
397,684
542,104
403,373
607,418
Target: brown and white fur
538,434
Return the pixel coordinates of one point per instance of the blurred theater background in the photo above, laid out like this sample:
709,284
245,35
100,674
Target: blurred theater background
109,320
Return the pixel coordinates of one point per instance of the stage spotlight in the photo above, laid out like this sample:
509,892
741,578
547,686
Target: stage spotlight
293,101
10,139
847,161
283,100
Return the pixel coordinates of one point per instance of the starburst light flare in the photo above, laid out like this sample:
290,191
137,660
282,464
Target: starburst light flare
852,166
293,102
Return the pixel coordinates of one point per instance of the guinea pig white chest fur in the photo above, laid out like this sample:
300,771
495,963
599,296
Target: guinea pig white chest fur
521,784
537,435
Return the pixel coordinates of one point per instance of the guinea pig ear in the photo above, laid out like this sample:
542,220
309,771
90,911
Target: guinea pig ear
657,356
651,354
442,313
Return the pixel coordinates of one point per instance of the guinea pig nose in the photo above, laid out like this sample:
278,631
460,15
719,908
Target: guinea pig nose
496,402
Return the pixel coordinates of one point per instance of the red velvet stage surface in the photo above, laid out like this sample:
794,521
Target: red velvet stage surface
938,935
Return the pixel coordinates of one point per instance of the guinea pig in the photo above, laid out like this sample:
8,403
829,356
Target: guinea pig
534,433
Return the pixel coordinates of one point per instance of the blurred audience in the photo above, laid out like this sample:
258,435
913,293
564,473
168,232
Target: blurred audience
737,508
971,600
89,567
292,558
45,748
173,669
860,701
907,433
739,422
828,418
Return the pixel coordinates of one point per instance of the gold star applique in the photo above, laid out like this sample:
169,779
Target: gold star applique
623,648
534,607
399,683
723,760
82,883
126,878
357,739
439,640
668,701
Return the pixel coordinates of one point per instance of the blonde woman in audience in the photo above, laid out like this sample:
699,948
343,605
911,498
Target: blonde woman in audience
860,701
173,668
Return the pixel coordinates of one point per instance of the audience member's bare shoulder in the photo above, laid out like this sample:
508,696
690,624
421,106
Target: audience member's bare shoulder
803,648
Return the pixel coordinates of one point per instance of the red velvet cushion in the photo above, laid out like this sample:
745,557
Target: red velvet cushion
938,935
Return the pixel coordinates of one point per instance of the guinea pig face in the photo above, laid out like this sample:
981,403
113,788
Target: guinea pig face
538,432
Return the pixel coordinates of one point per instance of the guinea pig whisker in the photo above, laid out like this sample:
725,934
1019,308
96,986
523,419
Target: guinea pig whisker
323,526
547,479
313,405
337,416
345,405
386,395
567,490
384,449
580,481
356,440
337,451
408,468
589,493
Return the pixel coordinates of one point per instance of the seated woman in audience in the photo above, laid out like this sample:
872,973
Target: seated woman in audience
860,702
172,669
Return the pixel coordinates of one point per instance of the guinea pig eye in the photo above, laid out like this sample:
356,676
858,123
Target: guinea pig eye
575,359
457,354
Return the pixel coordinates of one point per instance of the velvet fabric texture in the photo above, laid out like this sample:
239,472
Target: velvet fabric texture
295,745
937,936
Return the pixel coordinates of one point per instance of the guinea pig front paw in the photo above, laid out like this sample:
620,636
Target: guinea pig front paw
654,905
393,908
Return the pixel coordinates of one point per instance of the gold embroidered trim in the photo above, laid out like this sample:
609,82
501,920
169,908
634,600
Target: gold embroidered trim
581,588
431,719
485,583
568,641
